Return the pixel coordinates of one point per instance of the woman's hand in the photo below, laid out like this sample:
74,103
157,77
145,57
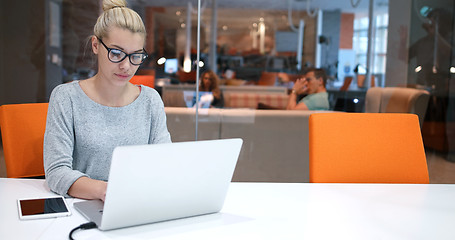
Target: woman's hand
88,188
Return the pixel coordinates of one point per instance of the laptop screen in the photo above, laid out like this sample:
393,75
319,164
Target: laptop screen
171,66
205,99
349,104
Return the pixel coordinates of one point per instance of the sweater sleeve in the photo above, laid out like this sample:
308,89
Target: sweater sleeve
59,143
158,131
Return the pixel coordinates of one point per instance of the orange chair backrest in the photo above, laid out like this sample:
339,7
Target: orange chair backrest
187,77
22,127
146,80
361,80
267,79
366,148
346,83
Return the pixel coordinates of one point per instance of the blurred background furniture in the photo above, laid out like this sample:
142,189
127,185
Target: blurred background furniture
346,83
268,79
185,77
366,148
275,147
23,128
397,100
248,96
361,80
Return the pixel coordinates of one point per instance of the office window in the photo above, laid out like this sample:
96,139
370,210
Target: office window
360,42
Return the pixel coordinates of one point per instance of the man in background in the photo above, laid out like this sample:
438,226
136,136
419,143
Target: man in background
312,84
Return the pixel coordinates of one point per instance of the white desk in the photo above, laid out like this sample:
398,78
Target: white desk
268,211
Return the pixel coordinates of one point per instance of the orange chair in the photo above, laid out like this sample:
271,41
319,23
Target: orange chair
361,80
366,148
185,77
346,83
23,128
267,79
146,80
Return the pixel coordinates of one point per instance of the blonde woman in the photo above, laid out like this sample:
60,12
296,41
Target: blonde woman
209,83
88,119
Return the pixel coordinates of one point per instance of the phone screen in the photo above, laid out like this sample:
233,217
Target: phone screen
42,206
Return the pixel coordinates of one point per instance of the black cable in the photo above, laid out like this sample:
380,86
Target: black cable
84,226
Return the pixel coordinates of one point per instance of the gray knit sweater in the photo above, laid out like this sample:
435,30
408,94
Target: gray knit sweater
82,134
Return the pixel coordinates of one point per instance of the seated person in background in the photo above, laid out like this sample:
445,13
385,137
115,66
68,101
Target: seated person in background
209,83
312,84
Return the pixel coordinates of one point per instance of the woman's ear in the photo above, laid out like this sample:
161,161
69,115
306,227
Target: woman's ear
95,45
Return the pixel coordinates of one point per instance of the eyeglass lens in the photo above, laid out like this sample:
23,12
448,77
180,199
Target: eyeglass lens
117,55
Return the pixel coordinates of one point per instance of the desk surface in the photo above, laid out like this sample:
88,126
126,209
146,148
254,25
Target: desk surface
268,211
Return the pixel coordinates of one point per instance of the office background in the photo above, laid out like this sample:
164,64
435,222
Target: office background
44,43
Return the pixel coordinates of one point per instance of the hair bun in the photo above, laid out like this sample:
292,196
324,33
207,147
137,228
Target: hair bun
110,4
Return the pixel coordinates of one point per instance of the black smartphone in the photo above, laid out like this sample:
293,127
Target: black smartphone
49,207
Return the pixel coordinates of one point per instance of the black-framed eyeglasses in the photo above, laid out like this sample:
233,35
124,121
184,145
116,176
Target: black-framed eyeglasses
116,55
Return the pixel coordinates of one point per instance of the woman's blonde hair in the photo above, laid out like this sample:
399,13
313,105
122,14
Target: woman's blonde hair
117,14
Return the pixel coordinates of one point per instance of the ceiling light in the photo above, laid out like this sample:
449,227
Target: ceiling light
161,61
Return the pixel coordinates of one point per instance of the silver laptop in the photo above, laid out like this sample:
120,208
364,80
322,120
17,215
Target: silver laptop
159,182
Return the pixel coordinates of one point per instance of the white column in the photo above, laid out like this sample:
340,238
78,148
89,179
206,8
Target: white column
317,57
397,53
262,36
370,50
187,59
300,45
254,36
213,36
